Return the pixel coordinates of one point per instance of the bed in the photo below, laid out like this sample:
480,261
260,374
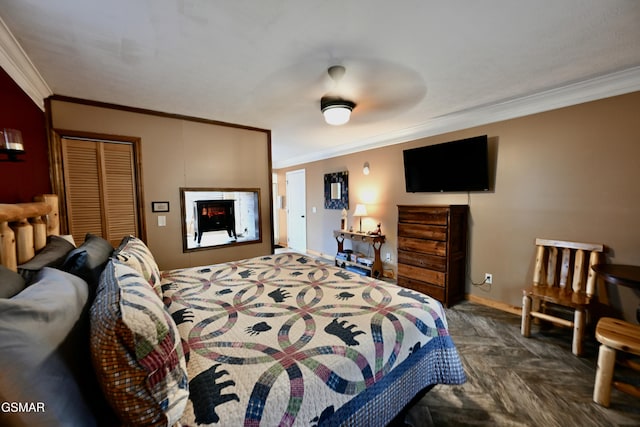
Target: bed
282,339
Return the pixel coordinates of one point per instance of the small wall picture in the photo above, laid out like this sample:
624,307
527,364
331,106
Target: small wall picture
160,206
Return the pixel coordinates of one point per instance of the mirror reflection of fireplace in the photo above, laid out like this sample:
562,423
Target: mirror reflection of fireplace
218,217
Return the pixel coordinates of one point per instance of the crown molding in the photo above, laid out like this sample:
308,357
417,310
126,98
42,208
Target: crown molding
17,64
618,83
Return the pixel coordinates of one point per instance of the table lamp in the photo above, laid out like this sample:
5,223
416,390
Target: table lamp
361,210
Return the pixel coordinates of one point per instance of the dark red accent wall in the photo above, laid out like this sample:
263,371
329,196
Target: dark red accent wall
20,181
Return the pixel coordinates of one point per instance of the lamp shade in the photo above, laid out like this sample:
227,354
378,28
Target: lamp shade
336,111
361,210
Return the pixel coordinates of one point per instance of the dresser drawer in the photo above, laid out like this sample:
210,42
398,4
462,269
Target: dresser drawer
433,262
436,292
423,215
434,277
432,247
423,231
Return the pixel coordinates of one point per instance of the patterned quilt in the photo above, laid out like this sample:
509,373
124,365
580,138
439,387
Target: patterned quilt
291,340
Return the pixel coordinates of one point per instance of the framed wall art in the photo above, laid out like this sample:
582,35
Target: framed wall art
336,190
159,206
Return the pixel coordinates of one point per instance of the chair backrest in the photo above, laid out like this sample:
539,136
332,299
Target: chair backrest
566,264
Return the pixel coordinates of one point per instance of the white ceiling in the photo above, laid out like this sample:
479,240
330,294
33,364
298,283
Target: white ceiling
414,67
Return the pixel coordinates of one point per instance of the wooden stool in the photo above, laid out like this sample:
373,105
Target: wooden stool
614,334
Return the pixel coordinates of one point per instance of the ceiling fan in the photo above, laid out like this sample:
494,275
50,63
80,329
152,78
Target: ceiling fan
336,110
381,89
372,90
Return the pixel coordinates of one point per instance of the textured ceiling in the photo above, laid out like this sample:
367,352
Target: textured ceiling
409,64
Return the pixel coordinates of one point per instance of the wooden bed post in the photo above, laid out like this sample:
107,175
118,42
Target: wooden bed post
7,246
24,240
24,228
39,227
53,217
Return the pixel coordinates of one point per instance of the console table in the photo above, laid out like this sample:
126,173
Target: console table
375,240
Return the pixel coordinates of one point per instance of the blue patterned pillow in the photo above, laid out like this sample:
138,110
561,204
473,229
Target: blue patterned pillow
133,252
136,350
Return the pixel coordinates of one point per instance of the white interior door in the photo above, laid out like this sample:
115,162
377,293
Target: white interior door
296,211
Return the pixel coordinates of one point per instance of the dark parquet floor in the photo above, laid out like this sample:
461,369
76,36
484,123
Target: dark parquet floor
517,381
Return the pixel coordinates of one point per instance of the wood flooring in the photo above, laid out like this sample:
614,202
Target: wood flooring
518,381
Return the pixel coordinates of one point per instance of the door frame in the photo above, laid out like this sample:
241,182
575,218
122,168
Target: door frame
57,173
290,197
274,208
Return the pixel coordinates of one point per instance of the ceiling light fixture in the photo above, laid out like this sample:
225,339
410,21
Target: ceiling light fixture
337,111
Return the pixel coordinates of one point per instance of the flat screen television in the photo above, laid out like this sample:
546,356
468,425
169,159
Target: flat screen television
452,166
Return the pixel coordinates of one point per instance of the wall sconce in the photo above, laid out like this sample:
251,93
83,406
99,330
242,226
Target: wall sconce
11,143
361,210
365,168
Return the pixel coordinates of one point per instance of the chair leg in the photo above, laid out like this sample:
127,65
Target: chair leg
578,332
525,327
604,376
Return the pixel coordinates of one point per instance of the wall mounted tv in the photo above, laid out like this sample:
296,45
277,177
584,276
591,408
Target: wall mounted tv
452,166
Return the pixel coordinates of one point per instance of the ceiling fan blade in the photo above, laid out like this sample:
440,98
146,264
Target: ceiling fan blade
379,88
382,89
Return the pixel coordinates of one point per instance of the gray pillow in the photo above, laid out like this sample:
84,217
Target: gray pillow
33,324
52,255
10,282
88,260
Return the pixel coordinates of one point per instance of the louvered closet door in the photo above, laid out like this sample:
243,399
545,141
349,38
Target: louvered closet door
120,192
100,189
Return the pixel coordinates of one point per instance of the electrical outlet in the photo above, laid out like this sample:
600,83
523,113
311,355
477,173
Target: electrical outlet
488,278
388,257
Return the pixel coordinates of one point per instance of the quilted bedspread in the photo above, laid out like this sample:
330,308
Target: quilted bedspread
291,340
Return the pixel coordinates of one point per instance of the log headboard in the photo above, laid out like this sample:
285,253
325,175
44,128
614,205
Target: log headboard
24,228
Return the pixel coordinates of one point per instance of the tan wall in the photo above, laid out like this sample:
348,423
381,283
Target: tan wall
571,174
181,153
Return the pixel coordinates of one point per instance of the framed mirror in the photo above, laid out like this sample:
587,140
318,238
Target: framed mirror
218,217
336,190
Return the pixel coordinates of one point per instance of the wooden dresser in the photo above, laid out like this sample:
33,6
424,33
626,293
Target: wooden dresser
432,250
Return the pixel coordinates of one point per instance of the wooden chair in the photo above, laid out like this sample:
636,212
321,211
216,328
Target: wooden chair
563,284
614,334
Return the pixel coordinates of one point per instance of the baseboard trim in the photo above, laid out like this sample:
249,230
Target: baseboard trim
473,298
323,256
495,304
